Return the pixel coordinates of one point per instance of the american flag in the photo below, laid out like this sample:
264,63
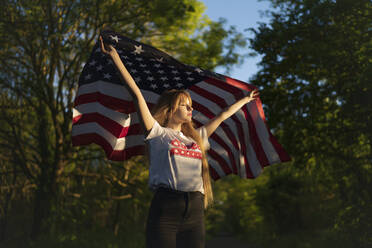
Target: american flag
104,112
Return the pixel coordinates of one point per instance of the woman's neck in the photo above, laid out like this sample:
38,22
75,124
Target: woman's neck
174,126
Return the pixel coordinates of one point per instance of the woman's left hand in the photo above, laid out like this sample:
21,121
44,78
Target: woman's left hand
253,96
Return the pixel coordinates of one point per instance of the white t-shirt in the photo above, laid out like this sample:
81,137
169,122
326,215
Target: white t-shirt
175,160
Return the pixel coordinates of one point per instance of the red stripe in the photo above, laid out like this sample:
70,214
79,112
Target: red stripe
238,94
226,87
283,155
220,141
260,109
210,96
221,161
112,126
255,140
202,109
221,102
107,101
116,104
256,143
115,155
214,173
240,84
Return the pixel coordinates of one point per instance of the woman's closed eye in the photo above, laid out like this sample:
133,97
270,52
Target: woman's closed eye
188,107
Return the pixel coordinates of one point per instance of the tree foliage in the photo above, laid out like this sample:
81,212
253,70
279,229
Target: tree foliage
314,77
44,46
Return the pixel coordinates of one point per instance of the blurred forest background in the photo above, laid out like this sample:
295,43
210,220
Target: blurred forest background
314,79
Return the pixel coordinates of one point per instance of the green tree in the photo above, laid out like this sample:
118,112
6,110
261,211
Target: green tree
315,75
44,45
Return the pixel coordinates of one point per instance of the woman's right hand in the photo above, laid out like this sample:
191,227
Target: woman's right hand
108,49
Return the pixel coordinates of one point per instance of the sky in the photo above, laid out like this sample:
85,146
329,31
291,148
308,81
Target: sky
242,14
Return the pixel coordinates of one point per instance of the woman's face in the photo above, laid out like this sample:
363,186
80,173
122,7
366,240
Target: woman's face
183,111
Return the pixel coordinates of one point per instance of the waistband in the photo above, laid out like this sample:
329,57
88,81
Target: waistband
164,189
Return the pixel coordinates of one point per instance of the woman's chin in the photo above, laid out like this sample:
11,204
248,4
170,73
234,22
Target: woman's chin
188,120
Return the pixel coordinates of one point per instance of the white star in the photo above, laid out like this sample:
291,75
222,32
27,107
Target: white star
98,50
115,38
198,70
177,78
93,62
138,49
163,78
150,78
137,79
157,65
125,57
154,86
133,71
174,71
107,75
129,63
160,60
190,78
171,66
188,73
110,62
166,85
160,71
147,72
139,59
88,76
100,67
143,65
179,85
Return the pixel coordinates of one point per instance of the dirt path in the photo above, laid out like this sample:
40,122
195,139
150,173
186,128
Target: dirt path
223,241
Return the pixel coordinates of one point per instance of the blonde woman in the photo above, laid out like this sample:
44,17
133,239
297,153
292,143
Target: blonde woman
179,173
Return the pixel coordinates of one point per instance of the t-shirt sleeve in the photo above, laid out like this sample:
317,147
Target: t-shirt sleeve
203,134
155,131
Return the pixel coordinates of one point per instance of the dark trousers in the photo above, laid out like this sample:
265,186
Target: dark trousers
176,220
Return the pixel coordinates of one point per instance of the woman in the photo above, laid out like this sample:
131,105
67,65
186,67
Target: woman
179,173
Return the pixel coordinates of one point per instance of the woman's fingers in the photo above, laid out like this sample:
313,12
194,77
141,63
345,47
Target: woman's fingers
254,94
102,45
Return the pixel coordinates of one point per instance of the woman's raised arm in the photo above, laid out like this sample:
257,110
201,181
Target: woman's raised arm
212,125
144,113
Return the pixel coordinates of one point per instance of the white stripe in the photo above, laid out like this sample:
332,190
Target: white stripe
221,152
215,109
94,107
114,90
230,99
222,135
263,134
213,163
254,164
259,123
116,144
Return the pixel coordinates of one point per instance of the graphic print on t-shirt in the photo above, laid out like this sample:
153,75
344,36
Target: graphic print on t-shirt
180,149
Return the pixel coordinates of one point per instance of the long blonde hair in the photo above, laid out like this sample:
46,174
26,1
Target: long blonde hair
163,111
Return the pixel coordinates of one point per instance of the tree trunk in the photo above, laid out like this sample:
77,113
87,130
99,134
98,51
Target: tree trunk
42,204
